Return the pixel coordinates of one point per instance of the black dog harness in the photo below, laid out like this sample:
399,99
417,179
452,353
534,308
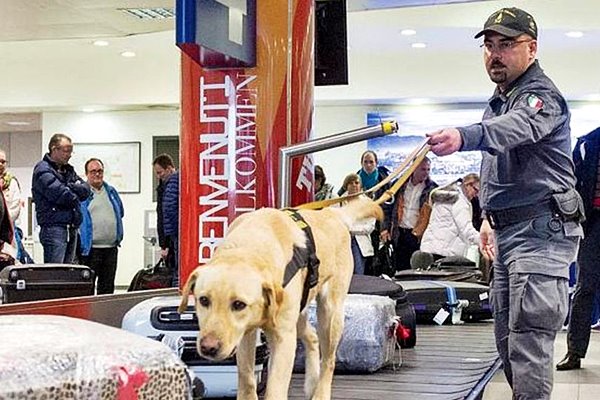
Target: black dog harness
303,258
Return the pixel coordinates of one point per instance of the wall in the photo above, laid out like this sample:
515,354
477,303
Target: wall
125,126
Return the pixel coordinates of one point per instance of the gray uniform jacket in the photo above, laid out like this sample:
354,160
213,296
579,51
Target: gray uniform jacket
525,140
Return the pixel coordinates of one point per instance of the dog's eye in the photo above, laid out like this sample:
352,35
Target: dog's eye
238,305
204,301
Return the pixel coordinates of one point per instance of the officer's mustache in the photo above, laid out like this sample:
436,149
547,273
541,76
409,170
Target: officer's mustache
497,64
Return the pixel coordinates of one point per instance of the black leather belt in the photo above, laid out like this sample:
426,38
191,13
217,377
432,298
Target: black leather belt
499,219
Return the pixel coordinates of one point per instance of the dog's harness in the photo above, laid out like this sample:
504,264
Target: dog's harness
303,258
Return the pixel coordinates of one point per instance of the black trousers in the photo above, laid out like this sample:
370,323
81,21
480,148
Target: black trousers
405,244
588,283
104,263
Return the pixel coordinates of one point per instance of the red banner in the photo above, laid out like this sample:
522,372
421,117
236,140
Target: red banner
234,122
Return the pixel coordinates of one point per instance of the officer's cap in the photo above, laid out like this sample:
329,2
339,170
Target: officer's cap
510,22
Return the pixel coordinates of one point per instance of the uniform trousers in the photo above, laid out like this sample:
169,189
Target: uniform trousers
529,296
588,284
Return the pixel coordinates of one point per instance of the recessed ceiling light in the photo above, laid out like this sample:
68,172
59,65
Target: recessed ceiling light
574,34
88,109
100,43
418,45
408,32
128,54
17,123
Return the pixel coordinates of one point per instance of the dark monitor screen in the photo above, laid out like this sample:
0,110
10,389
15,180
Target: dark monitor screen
331,56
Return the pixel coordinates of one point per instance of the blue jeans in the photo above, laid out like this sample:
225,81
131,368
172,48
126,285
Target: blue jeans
359,260
59,243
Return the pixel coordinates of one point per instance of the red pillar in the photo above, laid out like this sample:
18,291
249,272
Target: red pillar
234,121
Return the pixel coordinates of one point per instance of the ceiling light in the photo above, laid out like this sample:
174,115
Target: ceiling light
574,34
88,109
149,13
17,123
408,32
100,43
128,54
418,45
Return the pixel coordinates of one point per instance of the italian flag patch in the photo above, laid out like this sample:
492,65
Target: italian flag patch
534,101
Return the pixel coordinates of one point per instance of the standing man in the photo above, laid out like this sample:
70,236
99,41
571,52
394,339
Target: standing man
408,216
57,192
101,230
528,198
167,211
587,170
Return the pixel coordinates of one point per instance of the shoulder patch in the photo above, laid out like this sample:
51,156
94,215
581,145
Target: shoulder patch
534,101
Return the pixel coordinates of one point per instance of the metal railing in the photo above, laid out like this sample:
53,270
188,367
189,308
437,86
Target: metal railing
320,144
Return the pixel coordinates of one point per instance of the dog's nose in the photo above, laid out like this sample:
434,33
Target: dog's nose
210,346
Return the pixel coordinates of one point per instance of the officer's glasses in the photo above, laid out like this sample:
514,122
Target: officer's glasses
502,46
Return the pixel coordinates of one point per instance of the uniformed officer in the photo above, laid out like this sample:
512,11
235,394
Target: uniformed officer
528,198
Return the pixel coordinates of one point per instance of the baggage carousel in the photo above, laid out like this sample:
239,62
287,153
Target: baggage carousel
448,362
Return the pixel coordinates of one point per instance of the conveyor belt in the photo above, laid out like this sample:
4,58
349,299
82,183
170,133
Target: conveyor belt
449,362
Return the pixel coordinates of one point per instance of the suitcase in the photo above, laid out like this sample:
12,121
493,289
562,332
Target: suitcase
428,297
57,357
368,342
157,318
31,282
372,285
451,268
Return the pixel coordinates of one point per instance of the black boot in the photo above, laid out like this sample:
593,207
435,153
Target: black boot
571,361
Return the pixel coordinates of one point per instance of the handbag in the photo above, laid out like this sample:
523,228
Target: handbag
383,262
158,276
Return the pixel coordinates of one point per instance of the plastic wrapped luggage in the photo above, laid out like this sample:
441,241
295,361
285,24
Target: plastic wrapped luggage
368,342
157,318
428,297
56,357
372,285
31,282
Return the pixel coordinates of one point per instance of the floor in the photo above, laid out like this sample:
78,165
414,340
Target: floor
582,384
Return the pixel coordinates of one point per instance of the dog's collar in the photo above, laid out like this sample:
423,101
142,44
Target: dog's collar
303,258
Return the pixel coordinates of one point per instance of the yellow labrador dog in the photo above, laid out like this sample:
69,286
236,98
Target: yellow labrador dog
241,290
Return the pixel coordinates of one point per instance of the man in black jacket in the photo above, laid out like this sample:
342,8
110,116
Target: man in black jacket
57,192
587,171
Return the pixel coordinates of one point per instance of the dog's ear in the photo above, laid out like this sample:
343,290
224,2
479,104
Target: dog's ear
187,289
273,295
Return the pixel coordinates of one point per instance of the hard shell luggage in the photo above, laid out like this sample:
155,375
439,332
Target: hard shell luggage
373,285
31,282
368,342
465,301
157,318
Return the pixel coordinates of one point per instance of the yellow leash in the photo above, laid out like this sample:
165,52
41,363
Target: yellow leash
405,169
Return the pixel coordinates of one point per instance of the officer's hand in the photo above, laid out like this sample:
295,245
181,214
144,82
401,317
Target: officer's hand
445,141
487,244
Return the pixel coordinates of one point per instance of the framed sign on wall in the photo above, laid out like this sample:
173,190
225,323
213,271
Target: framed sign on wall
121,163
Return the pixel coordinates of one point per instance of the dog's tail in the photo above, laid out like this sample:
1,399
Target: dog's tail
360,208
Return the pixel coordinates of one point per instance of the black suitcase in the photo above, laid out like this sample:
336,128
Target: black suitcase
428,297
373,285
31,282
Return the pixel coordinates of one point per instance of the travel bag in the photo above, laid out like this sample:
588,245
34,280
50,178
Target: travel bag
377,286
158,318
465,301
32,282
158,276
368,342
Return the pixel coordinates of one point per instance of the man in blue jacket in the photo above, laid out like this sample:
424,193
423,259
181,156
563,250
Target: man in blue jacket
101,230
57,192
168,212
